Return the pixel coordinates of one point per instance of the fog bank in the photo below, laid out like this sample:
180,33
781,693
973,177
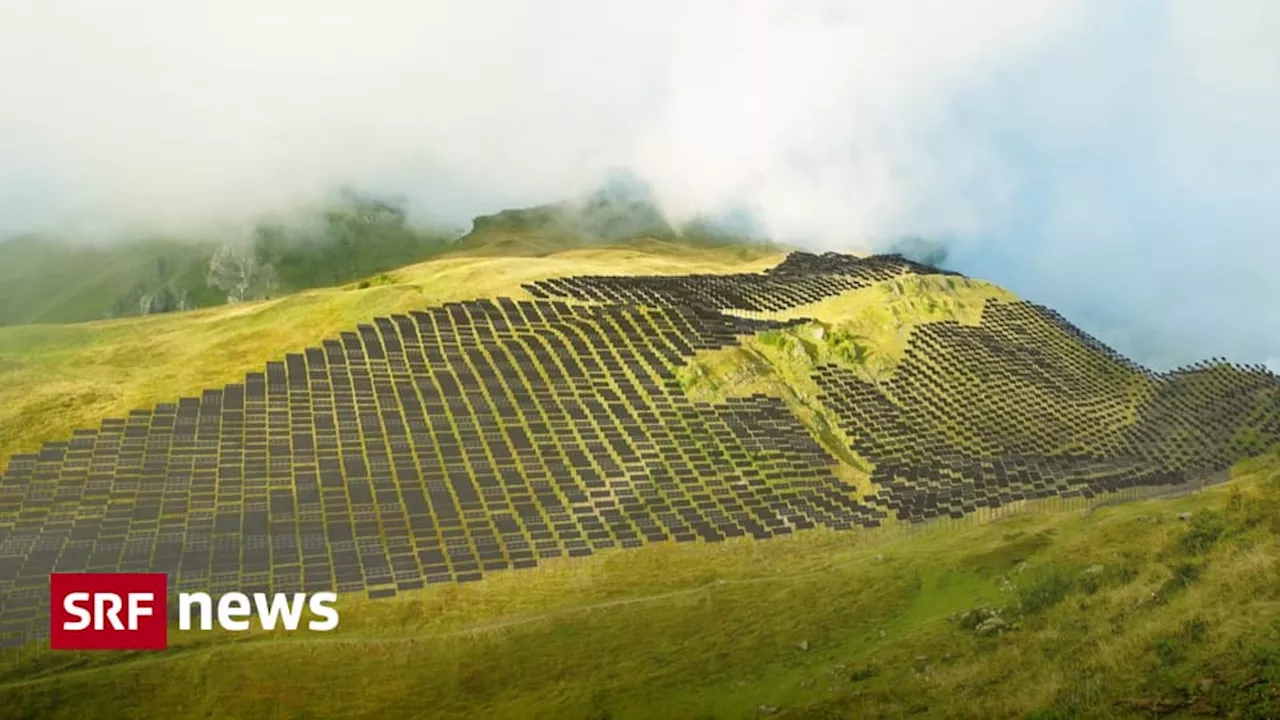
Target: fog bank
1117,161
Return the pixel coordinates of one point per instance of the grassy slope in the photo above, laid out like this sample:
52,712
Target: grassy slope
46,281
864,330
49,279
1177,616
867,331
55,378
820,625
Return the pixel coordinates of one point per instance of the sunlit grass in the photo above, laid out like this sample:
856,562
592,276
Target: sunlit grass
1104,619
823,624
56,378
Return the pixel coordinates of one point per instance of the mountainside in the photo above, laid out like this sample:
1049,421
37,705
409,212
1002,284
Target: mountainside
486,412
50,280
58,280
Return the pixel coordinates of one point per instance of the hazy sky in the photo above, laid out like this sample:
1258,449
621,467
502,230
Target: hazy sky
1115,159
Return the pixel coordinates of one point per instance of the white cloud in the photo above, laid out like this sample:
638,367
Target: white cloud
818,113
1117,160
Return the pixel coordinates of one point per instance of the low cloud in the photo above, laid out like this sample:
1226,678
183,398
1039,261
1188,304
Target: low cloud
1117,161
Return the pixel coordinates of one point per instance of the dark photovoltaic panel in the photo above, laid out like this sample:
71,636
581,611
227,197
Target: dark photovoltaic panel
801,279
431,447
1026,406
458,440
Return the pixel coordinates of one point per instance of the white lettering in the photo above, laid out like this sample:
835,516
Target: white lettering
280,605
70,603
231,606
107,605
185,601
235,610
135,609
320,606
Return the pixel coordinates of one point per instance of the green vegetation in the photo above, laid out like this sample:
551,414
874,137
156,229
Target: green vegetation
55,280
867,330
1138,609
352,240
598,219
1043,614
55,378
864,330
959,394
47,280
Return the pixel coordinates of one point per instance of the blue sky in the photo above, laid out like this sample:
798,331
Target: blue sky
1115,160
1150,221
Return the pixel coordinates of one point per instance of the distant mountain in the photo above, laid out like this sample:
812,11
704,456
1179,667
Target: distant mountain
52,280
922,250
622,209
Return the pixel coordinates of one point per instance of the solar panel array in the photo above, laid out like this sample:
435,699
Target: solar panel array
1024,406
430,447
800,279
473,437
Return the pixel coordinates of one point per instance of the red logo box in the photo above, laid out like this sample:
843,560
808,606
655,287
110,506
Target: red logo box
108,611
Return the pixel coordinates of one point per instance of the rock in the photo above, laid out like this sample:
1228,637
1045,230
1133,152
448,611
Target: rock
803,645
1184,516
766,710
976,617
992,626
819,332
1093,570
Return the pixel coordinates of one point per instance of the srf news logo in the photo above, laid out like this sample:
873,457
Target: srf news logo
129,611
